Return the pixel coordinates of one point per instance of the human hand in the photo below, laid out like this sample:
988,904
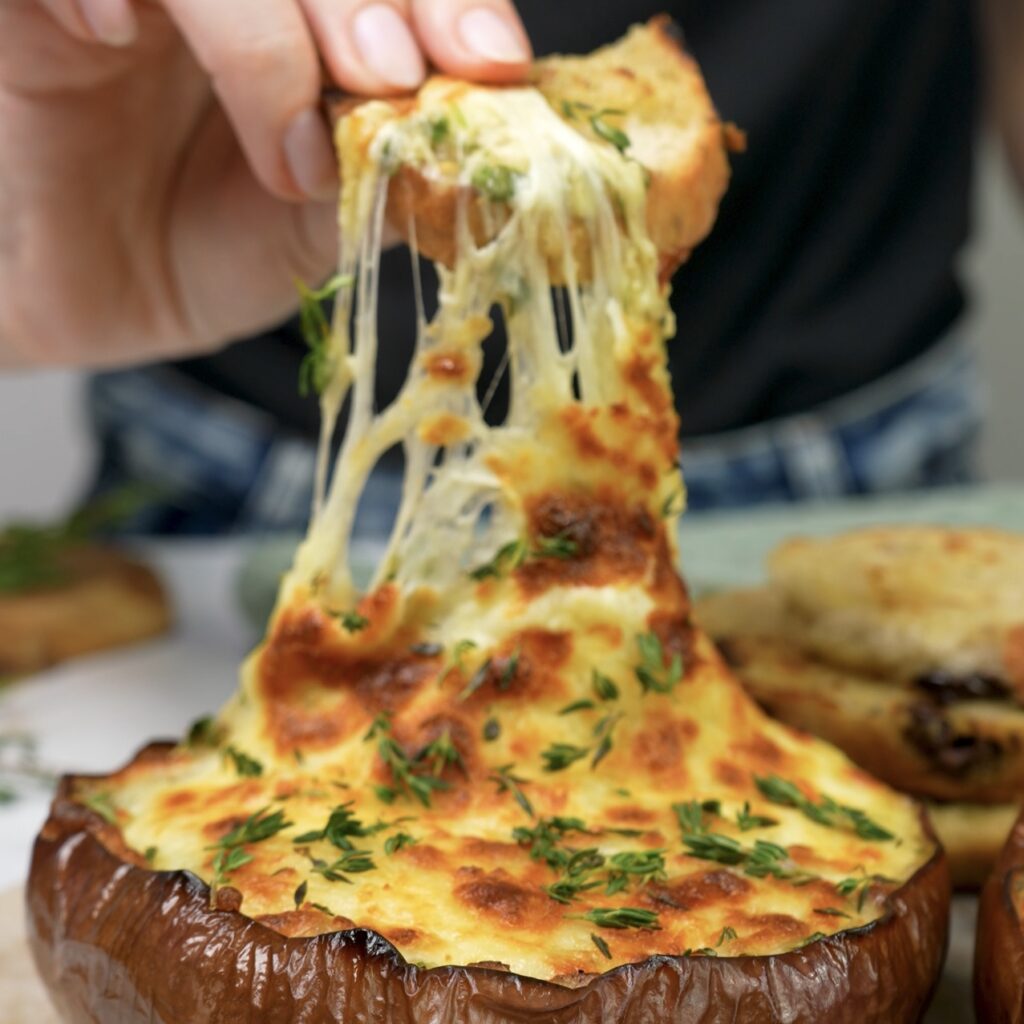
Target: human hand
165,172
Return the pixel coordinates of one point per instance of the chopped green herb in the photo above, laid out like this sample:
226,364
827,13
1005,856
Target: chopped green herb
645,866
225,862
825,812
510,670
476,680
603,731
351,862
558,546
247,767
103,805
342,826
652,672
603,687
507,558
441,754
150,854
690,815
831,911
728,935
492,730
380,726
601,945
259,826
616,136
353,622
509,783
439,130
623,917
315,369
673,505
203,732
748,821
397,842
577,705
567,890
560,756
300,894
498,183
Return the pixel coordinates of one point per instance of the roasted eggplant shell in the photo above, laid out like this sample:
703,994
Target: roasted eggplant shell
999,946
117,942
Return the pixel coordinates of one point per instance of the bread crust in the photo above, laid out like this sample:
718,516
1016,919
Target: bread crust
674,129
101,927
904,601
970,751
108,600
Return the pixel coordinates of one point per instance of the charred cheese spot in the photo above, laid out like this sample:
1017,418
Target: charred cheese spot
497,895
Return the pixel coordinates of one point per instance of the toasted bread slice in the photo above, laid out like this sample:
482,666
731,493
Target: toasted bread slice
643,94
105,600
909,601
938,745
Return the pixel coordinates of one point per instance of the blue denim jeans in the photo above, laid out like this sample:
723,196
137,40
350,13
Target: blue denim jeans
226,468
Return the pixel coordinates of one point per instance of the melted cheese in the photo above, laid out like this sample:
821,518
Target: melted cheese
527,616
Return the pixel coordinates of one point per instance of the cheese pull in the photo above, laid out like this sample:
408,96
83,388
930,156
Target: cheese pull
642,98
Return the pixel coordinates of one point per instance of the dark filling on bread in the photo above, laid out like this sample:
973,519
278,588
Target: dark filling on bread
953,753
951,688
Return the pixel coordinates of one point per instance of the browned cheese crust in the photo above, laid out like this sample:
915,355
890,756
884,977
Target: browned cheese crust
101,923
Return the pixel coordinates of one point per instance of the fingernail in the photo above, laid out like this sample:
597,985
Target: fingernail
386,44
112,21
492,37
310,157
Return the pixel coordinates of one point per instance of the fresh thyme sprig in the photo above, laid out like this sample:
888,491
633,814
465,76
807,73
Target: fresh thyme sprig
507,782
825,812
622,917
652,672
231,853
246,766
315,369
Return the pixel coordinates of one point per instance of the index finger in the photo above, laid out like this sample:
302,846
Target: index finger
264,67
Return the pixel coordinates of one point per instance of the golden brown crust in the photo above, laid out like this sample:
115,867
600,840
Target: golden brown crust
108,600
99,923
908,600
999,945
970,751
674,129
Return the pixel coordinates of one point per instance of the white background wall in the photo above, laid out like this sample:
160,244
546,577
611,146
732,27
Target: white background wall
45,457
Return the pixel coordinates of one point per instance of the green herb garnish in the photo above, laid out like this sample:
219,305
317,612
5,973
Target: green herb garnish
601,945
507,558
558,546
497,182
622,917
508,783
247,767
616,136
603,687
652,672
397,842
315,369
825,812
560,756
300,894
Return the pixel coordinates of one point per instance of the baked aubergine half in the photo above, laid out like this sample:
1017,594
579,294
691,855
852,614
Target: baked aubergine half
508,779
999,944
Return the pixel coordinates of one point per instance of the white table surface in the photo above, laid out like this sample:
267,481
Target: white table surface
92,714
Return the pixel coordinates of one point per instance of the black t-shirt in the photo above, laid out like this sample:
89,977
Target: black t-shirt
834,257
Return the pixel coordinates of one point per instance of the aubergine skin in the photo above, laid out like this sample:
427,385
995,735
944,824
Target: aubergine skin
117,943
999,943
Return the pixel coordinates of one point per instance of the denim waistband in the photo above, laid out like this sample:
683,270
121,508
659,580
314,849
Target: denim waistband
228,468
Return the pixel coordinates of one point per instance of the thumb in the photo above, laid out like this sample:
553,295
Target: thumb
483,40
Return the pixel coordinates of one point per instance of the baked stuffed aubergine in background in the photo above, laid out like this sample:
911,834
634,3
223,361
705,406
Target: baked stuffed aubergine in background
510,780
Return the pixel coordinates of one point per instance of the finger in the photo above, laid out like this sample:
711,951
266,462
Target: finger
264,68
478,39
368,45
105,21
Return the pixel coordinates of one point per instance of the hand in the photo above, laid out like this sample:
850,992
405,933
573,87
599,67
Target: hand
165,172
